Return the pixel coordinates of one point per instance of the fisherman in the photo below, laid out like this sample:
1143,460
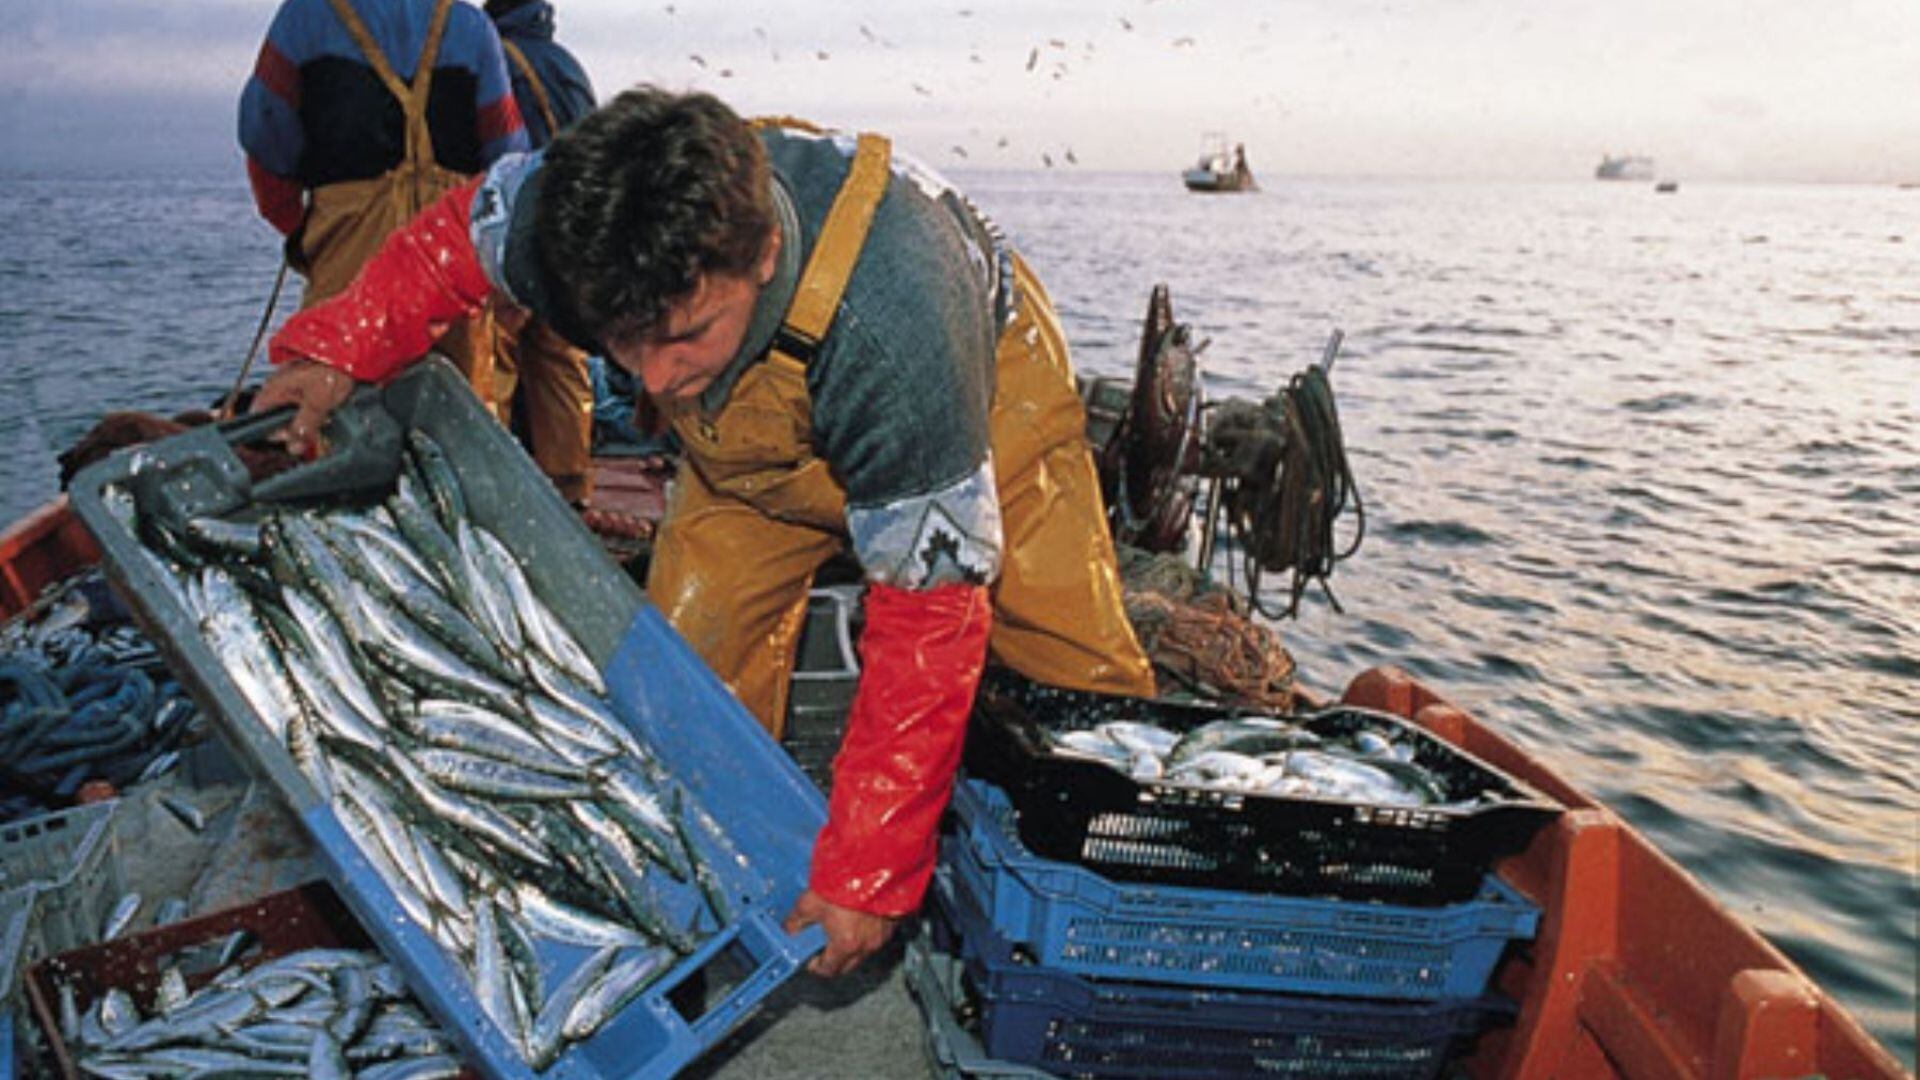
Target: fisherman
853,357
361,112
552,396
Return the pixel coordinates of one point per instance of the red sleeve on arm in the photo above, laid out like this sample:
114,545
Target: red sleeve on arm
425,276
921,655
277,197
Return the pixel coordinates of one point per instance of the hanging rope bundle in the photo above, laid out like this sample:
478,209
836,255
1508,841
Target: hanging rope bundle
1285,485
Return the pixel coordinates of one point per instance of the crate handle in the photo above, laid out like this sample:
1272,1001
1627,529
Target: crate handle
788,952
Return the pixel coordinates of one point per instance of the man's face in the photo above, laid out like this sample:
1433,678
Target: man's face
698,335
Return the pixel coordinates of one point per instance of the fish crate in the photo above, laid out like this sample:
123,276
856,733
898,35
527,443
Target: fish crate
825,676
1152,831
1069,917
1072,1026
71,861
19,925
310,916
953,1051
756,813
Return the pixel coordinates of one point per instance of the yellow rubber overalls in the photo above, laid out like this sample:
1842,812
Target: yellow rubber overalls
347,221
550,374
756,512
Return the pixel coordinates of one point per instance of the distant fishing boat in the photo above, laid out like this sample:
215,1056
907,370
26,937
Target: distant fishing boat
1220,170
1624,167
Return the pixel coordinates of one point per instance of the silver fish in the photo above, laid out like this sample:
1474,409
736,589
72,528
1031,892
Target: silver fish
323,639
550,918
173,991
118,1014
436,1067
475,817
1249,735
457,725
493,606
395,582
421,527
335,718
493,778
549,1027
443,485
491,978
540,628
637,807
121,916
614,990
402,647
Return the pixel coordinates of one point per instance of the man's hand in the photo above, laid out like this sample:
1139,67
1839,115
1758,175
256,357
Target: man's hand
852,936
316,390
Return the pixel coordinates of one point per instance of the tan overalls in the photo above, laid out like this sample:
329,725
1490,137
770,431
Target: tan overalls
346,222
756,512
550,374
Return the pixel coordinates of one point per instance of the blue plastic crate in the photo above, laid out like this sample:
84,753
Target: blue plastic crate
1070,918
72,862
953,1053
765,810
1112,1030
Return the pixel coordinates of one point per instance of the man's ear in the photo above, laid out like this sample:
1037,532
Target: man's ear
770,257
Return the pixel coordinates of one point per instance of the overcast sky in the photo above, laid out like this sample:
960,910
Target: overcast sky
1713,89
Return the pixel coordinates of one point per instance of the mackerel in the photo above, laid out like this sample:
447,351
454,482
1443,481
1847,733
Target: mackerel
443,486
614,990
434,1067
326,1060
402,647
537,622
336,717
491,976
393,581
550,918
492,606
474,774
421,528
299,558
477,818
337,657
377,528
457,725
636,806
549,1027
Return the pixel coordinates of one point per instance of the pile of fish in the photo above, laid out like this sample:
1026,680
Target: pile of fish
1261,756
323,1013
83,696
462,738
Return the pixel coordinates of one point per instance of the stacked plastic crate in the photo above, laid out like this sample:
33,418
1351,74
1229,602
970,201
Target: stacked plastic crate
58,874
1084,924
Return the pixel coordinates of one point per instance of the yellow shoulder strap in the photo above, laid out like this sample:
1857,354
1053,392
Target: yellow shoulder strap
540,98
844,233
413,99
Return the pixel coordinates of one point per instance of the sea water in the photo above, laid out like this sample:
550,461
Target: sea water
1641,472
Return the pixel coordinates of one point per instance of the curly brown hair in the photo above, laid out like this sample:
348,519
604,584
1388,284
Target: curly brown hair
642,198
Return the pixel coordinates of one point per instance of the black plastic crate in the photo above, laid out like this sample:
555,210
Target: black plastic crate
1084,812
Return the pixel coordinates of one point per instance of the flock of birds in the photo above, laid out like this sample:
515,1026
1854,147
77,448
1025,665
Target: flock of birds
1052,59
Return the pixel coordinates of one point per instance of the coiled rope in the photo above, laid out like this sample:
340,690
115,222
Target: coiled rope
1283,515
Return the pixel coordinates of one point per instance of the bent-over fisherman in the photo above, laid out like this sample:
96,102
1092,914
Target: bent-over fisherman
853,358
